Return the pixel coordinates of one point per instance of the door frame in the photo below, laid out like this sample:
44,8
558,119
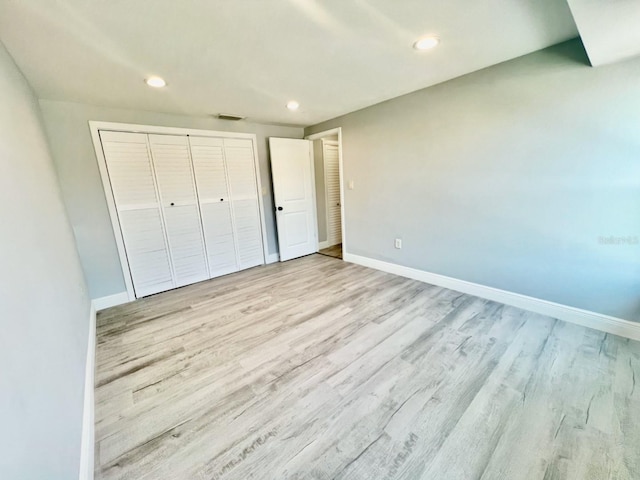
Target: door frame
96,126
318,136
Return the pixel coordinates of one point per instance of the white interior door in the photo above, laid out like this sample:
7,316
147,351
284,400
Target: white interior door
215,205
172,163
332,186
245,206
293,188
139,211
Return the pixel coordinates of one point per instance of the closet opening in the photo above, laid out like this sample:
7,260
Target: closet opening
185,204
328,175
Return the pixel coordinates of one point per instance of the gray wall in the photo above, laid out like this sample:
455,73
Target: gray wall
67,126
507,177
321,195
44,306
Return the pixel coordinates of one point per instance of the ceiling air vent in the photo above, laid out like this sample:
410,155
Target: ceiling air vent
228,116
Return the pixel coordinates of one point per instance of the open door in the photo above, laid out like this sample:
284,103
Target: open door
293,189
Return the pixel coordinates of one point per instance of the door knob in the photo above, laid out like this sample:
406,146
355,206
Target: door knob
279,209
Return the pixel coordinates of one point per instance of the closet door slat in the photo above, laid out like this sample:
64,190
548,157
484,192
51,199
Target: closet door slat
132,183
211,179
172,163
241,173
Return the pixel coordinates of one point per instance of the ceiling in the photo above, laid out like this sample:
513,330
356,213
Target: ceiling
610,29
250,57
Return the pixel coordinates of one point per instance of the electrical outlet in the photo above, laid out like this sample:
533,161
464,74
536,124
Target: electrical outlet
398,243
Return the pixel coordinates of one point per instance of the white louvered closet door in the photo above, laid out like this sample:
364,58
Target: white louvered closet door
174,174
245,209
332,185
134,190
215,206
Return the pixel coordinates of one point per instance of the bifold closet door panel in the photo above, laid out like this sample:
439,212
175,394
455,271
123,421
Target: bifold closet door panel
138,208
213,192
332,185
172,163
243,188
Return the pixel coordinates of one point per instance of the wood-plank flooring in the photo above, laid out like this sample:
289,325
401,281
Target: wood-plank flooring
332,251
321,369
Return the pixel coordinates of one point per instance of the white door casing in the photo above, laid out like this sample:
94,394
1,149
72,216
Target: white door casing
343,224
135,202
293,189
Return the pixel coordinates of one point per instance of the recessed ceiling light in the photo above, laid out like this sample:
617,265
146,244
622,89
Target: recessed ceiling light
293,105
155,82
426,43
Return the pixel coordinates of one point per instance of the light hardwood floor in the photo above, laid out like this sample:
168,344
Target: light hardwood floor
333,251
321,369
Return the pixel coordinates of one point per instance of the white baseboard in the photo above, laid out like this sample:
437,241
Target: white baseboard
88,429
324,244
272,258
604,323
110,301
